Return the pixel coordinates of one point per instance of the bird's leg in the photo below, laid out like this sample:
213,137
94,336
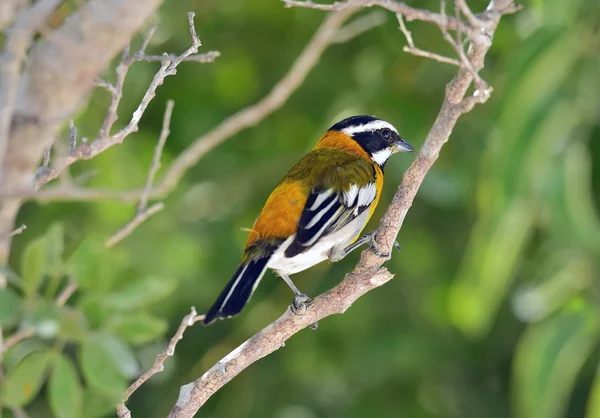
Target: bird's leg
369,238
301,301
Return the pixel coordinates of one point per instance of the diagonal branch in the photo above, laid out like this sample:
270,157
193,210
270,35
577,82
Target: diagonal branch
368,273
143,212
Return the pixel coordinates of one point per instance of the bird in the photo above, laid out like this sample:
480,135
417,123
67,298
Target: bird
317,211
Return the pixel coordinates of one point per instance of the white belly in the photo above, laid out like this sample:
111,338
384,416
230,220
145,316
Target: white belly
318,252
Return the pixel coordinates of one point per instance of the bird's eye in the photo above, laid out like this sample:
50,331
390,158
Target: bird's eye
386,134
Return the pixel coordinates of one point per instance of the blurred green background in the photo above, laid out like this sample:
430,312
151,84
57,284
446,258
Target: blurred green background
494,311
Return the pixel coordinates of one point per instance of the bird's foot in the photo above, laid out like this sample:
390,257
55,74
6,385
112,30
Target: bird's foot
300,304
376,251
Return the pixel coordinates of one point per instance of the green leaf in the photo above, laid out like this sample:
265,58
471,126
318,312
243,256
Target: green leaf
42,315
15,354
121,355
99,369
65,392
95,268
488,268
97,405
33,265
55,246
593,407
9,307
24,381
548,359
140,293
138,327
73,325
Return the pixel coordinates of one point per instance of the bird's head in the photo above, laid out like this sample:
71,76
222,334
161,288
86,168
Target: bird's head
380,139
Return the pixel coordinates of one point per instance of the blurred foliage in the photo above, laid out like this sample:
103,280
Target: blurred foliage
494,309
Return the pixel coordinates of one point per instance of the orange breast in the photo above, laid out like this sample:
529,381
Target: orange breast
280,215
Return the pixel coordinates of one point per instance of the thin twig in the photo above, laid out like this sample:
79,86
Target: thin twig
410,13
18,231
72,136
412,49
116,93
66,293
164,134
481,86
104,141
159,363
16,338
466,11
358,26
206,58
138,219
46,158
142,213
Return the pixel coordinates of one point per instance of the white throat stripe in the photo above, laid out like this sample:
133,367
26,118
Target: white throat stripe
368,127
380,157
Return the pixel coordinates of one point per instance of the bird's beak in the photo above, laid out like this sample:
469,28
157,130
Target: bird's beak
402,146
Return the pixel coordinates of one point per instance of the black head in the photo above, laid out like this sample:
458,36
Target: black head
376,136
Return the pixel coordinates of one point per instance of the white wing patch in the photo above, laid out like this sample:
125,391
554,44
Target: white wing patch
367,195
321,198
350,195
320,214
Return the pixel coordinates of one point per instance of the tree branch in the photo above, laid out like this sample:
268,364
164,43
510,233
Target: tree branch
245,118
368,273
58,75
105,140
410,13
159,363
18,41
143,212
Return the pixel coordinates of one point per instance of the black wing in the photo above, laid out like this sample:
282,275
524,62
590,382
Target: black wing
327,211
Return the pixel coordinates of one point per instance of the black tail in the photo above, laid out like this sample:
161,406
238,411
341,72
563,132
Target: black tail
238,291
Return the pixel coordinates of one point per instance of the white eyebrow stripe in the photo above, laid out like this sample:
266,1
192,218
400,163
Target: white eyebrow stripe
369,127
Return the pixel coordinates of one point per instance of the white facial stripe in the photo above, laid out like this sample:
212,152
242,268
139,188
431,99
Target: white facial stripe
369,127
380,157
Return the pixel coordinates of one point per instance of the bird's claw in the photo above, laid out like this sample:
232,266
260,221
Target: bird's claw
375,250
300,304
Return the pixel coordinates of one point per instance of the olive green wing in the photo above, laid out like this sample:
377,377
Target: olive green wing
341,194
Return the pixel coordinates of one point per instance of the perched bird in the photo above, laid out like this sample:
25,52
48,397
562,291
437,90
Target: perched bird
317,211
